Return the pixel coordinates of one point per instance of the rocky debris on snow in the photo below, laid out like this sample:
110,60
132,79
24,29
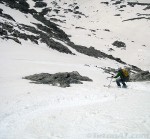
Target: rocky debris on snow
46,36
50,30
111,49
15,34
15,39
107,3
147,8
119,44
109,70
92,30
121,10
72,8
61,79
138,14
67,10
1,11
39,16
140,76
33,11
91,51
137,18
87,65
3,32
135,68
122,6
76,7
40,4
37,0
56,11
117,15
138,3
79,13
20,5
117,2
57,20
45,11
107,30
80,28
53,27
5,15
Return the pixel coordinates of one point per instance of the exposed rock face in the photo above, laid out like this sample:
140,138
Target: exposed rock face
119,44
40,4
21,5
147,8
46,37
60,33
117,2
45,11
105,3
140,76
15,34
91,51
58,79
5,15
137,3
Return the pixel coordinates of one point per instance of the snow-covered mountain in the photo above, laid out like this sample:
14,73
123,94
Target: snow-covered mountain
58,22
92,37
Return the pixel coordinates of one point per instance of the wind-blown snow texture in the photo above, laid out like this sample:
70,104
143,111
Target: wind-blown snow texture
66,36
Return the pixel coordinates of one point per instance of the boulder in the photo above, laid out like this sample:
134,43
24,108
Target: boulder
61,79
119,44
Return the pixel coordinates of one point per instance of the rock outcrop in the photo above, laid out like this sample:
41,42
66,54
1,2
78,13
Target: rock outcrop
58,79
140,76
119,44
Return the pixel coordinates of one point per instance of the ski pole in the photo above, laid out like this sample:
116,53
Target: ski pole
110,82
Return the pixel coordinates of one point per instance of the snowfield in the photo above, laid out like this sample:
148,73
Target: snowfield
33,111
82,111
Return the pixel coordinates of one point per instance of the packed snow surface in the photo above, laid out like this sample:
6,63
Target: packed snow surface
33,111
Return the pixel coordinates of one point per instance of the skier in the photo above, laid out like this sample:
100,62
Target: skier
122,76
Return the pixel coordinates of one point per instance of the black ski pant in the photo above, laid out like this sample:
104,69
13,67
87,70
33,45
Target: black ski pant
120,80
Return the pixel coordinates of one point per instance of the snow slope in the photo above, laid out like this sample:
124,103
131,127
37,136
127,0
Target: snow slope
89,30
89,110
81,111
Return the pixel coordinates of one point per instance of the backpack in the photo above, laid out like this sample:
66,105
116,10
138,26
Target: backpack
125,72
